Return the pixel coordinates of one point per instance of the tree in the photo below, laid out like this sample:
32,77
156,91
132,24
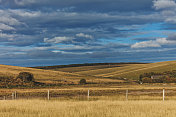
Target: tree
26,76
82,81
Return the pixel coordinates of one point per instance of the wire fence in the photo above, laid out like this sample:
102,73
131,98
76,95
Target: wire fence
89,94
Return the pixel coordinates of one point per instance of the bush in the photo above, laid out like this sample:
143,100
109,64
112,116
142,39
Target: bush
6,78
6,81
140,78
26,76
147,80
82,81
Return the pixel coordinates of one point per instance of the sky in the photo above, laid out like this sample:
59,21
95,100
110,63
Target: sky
55,32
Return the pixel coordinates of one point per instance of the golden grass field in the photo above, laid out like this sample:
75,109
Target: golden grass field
97,74
106,99
130,71
101,74
143,101
51,76
101,108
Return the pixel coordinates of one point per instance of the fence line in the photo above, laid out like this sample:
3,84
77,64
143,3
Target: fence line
123,94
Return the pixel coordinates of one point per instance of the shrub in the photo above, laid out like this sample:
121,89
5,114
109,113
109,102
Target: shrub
6,78
26,76
82,81
140,78
164,79
173,80
5,81
147,80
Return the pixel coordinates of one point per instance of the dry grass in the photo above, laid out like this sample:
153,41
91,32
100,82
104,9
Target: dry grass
135,92
131,71
86,68
43,108
51,76
38,73
96,74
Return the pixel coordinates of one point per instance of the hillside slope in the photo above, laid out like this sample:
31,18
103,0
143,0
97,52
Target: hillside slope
130,71
50,76
95,73
38,73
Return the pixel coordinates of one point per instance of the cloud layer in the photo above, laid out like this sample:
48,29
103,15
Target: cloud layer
49,32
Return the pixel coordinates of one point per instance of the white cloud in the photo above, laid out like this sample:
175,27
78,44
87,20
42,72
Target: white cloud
145,44
25,13
84,35
167,10
162,41
156,43
69,39
164,4
2,35
25,2
5,27
58,39
8,19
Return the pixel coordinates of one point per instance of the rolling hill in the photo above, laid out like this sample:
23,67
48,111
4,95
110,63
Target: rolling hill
51,76
101,73
119,70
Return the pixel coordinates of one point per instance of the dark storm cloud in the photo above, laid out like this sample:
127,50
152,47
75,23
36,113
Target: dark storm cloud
83,5
59,24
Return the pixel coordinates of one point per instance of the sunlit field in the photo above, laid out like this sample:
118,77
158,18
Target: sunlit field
93,74
102,108
108,95
131,71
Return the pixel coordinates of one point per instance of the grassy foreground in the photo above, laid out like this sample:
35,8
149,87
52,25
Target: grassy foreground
44,108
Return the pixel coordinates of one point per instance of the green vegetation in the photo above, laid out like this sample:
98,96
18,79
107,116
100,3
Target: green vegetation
23,79
164,77
26,76
82,81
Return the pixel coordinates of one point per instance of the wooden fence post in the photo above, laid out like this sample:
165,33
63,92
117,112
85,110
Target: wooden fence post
48,94
127,94
88,93
163,94
12,96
